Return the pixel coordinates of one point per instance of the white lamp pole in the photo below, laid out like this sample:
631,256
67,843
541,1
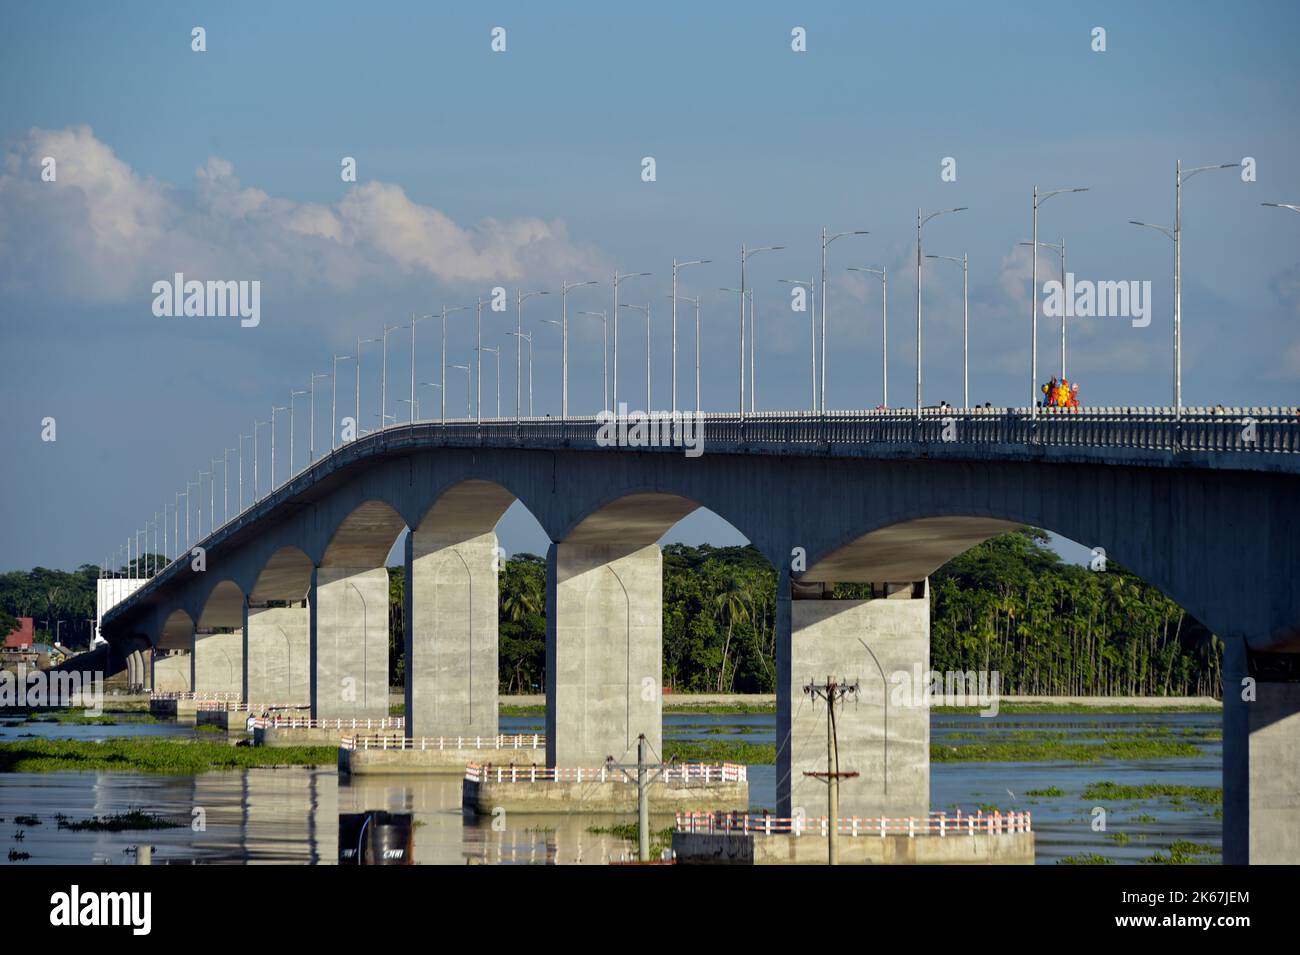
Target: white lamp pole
1033,312
827,240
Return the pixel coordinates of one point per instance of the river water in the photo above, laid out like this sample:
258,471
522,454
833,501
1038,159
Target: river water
290,815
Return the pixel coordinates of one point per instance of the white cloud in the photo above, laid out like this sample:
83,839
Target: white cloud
102,233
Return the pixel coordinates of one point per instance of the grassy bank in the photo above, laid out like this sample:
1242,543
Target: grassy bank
152,755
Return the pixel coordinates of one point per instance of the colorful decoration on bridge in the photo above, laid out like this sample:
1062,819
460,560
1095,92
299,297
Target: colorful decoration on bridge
1061,394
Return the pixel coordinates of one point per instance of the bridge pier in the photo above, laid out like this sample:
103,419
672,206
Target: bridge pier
1261,757
604,652
884,735
217,662
349,642
276,650
451,652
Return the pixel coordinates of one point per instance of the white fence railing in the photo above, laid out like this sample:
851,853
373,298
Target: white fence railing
684,773
233,706
192,695
501,742
305,723
935,824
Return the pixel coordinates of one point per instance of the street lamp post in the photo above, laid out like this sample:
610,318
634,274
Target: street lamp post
678,265
613,398
414,403
469,411
564,351
442,410
645,310
360,342
292,395
521,297
383,376
274,409
604,355
921,220
528,337
1033,313
334,395
257,484
225,485
492,350
965,329
744,256
1177,235
311,423
242,439
827,240
884,330
1059,249
812,329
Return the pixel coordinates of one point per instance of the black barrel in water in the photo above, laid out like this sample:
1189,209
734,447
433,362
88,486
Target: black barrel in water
375,838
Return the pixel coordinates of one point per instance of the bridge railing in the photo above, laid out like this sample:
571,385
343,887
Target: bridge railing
940,824
1265,430
305,723
685,773
192,695
499,742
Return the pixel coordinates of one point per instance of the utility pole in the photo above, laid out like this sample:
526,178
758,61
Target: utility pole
832,692
646,773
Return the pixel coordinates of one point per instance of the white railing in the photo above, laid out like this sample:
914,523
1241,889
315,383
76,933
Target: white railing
192,695
305,723
935,824
452,743
232,706
684,773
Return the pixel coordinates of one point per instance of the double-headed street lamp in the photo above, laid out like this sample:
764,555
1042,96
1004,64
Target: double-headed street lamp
827,240
1176,233
965,328
920,221
679,265
884,329
520,298
744,257
604,354
1033,297
383,378
564,349
812,328
619,277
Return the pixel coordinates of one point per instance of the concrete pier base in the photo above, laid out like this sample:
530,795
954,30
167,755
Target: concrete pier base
1261,757
437,756
218,662
452,653
349,634
883,736
604,652
277,654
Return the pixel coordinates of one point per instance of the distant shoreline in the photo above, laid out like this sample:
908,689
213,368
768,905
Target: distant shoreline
763,702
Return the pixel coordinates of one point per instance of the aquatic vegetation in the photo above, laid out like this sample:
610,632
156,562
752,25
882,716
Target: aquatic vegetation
152,755
1114,792
1184,852
720,751
1087,858
1119,838
1050,791
1052,750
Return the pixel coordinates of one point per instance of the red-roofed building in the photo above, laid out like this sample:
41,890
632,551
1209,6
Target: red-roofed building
23,637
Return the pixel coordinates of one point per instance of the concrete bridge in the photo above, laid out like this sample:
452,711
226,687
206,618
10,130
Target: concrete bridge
1204,506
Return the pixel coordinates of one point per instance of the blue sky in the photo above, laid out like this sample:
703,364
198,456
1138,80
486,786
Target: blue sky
522,168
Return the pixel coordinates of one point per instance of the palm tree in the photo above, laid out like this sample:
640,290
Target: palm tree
734,603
